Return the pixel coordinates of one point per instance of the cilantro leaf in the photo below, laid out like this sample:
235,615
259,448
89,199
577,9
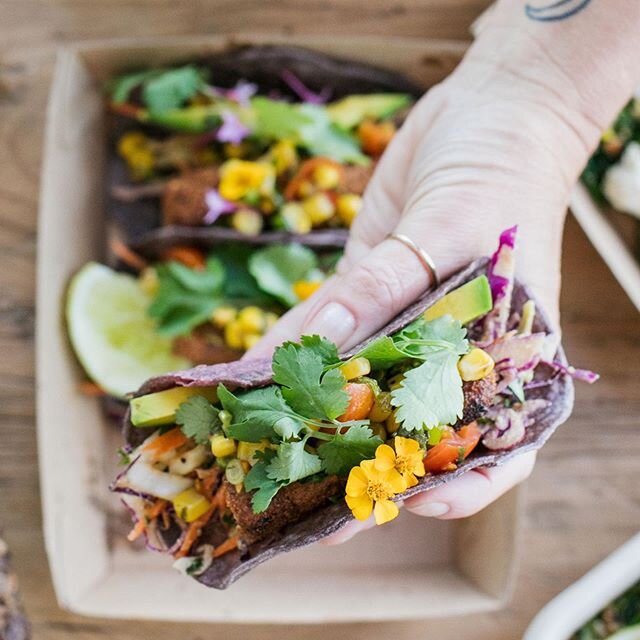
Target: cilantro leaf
186,297
121,87
259,413
292,463
278,267
170,89
264,486
348,450
422,338
431,394
308,392
326,349
276,119
198,419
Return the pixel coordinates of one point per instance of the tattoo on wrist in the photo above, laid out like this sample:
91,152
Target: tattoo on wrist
556,11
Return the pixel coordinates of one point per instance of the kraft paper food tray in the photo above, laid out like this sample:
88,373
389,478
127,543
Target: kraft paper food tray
607,230
411,568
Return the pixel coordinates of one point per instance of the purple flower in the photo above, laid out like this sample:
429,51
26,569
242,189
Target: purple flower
231,130
216,206
305,94
241,93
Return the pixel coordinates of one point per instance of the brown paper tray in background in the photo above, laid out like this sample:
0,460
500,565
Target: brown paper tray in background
411,568
611,233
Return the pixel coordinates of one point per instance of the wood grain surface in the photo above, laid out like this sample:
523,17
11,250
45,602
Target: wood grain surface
584,497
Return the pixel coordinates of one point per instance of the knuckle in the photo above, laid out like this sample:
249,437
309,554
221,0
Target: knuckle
380,284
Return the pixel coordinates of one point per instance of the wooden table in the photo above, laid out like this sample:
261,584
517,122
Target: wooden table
584,496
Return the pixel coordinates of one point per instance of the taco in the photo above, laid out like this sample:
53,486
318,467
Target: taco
259,143
233,464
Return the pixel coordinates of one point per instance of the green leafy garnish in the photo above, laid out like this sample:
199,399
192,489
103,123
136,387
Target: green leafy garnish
278,267
170,89
348,450
186,297
292,463
431,394
198,419
258,414
124,457
264,487
306,388
324,348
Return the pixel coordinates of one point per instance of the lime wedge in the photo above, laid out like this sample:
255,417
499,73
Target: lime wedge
111,333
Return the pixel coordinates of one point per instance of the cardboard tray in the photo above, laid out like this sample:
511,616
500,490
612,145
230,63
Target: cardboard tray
411,568
612,234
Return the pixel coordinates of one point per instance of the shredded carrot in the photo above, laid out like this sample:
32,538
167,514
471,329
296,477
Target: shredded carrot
166,442
228,545
150,513
129,257
304,173
91,389
193,533
207,483
188,256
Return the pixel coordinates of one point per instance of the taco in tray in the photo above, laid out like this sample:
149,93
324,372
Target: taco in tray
258,143
233,464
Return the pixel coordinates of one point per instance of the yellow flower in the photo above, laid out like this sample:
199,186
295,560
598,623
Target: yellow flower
407,459
366,487
239,178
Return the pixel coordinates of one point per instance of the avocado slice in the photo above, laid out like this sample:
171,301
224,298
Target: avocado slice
466,303
352,110
156,409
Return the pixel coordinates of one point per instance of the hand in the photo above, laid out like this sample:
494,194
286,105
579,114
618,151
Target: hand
471,160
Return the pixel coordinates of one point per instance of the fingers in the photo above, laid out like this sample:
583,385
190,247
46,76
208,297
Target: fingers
472,492
460,498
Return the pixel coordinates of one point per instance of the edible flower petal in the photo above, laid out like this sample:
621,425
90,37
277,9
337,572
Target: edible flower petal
369,489
239,178
406,460
299,88
216,206
232,129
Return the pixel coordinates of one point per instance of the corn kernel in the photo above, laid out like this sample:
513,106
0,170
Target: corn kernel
271,318
247,450
285,155
130,142
234,335
319,208
355,368
247,221
475,365
326,176
251,319
251,340
190,505
222,316
305,289
295,218
381,407
348,206
306,189
149,281
379,430
222,447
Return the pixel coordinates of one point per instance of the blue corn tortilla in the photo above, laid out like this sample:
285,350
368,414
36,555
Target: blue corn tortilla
322,522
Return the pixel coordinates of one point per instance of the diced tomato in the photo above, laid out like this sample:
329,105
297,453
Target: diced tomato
452,449
361,401
375,137
304,174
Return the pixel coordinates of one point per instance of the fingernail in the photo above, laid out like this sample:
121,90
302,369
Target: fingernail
334,321
431,509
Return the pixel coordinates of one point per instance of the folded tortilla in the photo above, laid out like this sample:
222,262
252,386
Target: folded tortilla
138,222
556,388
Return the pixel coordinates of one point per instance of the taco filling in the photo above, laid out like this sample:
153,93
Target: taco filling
220,469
